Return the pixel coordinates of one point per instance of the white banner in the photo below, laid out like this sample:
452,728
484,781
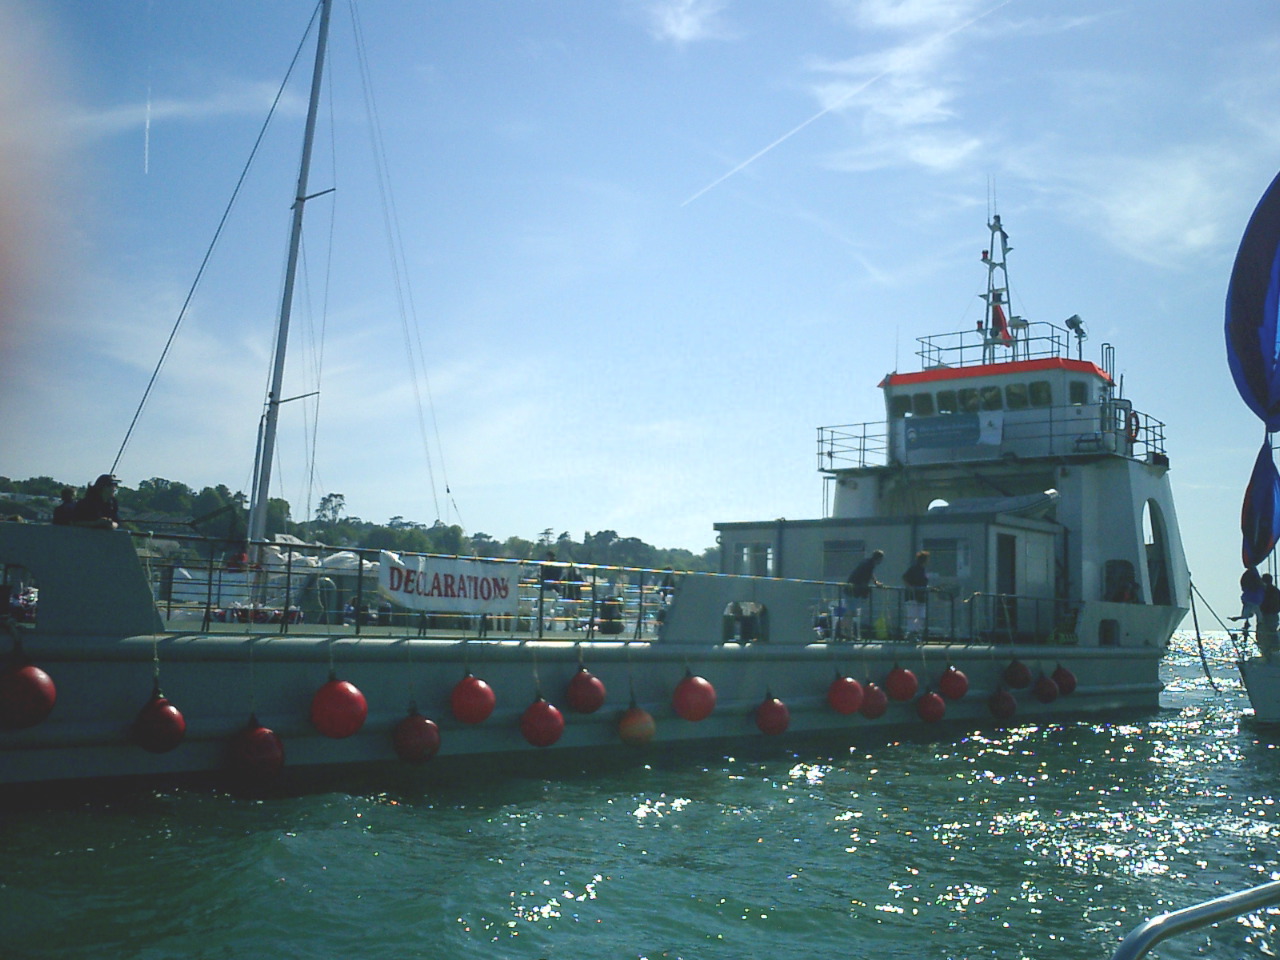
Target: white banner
448,585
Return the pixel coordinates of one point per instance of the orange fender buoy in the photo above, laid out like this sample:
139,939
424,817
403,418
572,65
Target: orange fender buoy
901,684
257,754
27,695
953,684
874,701
931,707
636,726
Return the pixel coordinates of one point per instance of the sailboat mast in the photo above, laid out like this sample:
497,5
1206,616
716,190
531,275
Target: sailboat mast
267,435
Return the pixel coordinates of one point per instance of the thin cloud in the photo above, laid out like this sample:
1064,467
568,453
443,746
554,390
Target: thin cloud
905,60
687,21
242,99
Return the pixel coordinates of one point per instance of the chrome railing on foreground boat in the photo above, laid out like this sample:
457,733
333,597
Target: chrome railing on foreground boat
1146,935
212,584
1059,430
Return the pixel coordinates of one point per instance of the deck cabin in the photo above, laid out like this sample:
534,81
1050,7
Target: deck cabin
1040,493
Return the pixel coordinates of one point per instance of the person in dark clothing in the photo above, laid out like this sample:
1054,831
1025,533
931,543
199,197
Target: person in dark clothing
864,576
98,508
64,513
1250,593
916,578
858,591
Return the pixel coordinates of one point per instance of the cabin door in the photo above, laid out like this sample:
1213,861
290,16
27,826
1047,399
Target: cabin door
1006,583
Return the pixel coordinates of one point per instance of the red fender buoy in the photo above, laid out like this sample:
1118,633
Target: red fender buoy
953,684
1002,704
415,738
338,709
874,701
159,725
901,684
931,707
772,716
1065,679
694,698
541,723
586,691
472,700
1045,690
257,754
1017,675
636,726
27,695
844,695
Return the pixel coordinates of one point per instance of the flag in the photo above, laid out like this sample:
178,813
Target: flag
999,325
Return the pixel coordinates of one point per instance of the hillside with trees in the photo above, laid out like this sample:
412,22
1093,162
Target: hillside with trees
168,506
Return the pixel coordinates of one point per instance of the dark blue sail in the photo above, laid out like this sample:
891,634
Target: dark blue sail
1252,300
1260,514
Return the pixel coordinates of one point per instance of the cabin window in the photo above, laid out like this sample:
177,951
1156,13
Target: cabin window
899,406
1015,396
1119,583
839,557
1077,393
946,401
991,398
1041,394
20,594
968,398
922,404
948,556
754,559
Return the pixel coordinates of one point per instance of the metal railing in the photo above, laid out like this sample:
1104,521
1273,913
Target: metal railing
208,582
1043,431
1146,935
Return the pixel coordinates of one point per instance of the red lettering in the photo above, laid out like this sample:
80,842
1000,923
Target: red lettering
395,576
448,585
410,581
435,586
504,589
486,589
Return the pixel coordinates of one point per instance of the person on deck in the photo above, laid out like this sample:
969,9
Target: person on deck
858,589
98,508
1251,587
1268,635
64,513
916,579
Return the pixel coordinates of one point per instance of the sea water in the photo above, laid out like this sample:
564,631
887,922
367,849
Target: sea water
1036,841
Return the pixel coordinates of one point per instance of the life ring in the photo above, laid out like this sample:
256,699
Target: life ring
1133,424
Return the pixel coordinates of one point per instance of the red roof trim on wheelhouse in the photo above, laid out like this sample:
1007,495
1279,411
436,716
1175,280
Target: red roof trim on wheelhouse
937,374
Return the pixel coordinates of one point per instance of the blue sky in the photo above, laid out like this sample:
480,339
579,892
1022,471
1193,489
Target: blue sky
649,245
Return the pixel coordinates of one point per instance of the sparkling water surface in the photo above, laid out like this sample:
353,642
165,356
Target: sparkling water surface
1036,841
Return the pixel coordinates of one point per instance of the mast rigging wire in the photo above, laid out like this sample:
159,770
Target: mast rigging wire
208,254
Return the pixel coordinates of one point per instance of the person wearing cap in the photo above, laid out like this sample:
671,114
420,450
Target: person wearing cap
98,508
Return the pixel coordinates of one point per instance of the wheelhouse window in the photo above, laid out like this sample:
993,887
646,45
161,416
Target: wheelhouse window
1077,393
1041,393
947,401
899,405
969,401
922,404
1015,396
991,398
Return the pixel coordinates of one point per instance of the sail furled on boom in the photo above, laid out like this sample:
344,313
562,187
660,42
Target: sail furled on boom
1253,353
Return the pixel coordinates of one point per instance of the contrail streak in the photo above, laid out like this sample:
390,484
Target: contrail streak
838,103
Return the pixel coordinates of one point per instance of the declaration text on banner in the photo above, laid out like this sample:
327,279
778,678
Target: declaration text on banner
448,585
